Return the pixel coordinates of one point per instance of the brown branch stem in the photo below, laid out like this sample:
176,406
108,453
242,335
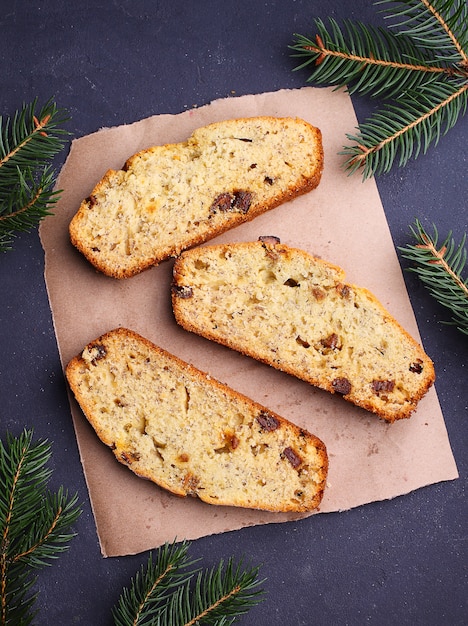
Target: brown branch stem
153,587
324,52
439,259
5,542
39,126
445,26
198,618
50,530
24,208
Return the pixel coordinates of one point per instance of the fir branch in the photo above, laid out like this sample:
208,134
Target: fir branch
403,131
421,70
34,523
163,594
221,594
440,269
144,600
365,59
441,25
29,140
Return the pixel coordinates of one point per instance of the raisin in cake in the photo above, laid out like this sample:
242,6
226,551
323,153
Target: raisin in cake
190,434
284,307
169,198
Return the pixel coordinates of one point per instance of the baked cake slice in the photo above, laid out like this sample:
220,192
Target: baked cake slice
190,434
295,312
171,197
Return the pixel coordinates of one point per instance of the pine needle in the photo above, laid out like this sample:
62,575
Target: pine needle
143,600
169,592
29,141
418,67
34,523
440,268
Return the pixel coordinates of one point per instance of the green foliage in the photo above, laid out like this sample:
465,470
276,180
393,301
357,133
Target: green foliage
29,140
406,129
34,523
418,66
142,602
342,58
169,592
439,25
440,268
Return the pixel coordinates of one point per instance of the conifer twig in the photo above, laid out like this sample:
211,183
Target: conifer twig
440,268
169,592
144,599
29,140
34,523
418,66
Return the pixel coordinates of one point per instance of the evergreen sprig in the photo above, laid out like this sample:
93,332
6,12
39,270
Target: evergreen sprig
418,66
169,592
150,588
29,140
440,268
34,523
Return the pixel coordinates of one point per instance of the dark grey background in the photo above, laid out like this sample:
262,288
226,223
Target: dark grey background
396,562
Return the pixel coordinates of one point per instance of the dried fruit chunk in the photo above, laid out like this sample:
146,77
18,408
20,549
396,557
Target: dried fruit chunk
182,291
383,385
302,342
343,290
223,203
341,385
271,239
238,201
292,457
96,352
267,421
331,341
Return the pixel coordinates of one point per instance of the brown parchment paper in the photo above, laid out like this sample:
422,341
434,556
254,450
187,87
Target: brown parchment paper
342,221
